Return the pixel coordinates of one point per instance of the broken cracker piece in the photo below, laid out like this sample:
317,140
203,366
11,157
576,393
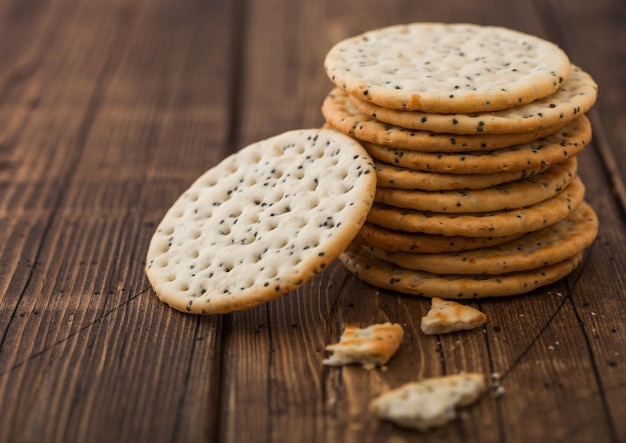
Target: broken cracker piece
447,316
428,403
371,346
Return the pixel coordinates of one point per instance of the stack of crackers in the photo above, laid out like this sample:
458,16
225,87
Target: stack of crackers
474,131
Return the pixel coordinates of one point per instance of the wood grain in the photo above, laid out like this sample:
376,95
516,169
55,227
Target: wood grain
110,109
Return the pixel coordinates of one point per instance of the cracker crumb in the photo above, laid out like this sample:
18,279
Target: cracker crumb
429,403
371,347
447,316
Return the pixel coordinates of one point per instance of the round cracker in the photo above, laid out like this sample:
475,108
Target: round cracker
539,154
517,194
386,275
261,222
575,97
447,68
340,113
482,224
392,240
397,177
544,247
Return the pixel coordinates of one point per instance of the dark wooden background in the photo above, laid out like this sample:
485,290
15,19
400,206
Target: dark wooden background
109,109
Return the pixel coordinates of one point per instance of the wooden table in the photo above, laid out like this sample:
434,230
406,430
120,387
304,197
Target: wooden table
109,109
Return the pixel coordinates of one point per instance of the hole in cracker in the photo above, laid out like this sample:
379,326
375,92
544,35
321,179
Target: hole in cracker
210,182
313,203
161,262
295,260
271,272
339,206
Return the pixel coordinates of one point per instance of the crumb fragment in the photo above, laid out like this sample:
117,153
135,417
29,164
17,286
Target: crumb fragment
447,316
371,347
430,402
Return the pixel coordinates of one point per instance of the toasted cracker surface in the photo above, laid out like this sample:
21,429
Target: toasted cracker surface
543,247
395,240
539,154
572,99
261,222
517,194
398,177
447,68
341,113
386,275
482,224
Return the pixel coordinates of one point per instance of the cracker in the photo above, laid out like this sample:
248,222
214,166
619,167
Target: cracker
261,222
544,247
342,114
517,194
447,68
555,148
398,177
430,402
572,99
386,275
445,316
392,240
482,224
371,346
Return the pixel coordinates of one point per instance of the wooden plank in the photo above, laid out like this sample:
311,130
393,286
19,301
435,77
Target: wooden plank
598,293
103,132
594,49
114,121
510,345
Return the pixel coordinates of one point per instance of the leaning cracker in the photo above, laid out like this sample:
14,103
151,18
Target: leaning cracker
555,148
447,68
445,316
398,177
343,115
386,275
572,99
429,403
517,194
394,240
262,222
371,346
482,224
546,246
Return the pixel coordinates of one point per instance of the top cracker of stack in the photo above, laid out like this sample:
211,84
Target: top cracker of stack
474,131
